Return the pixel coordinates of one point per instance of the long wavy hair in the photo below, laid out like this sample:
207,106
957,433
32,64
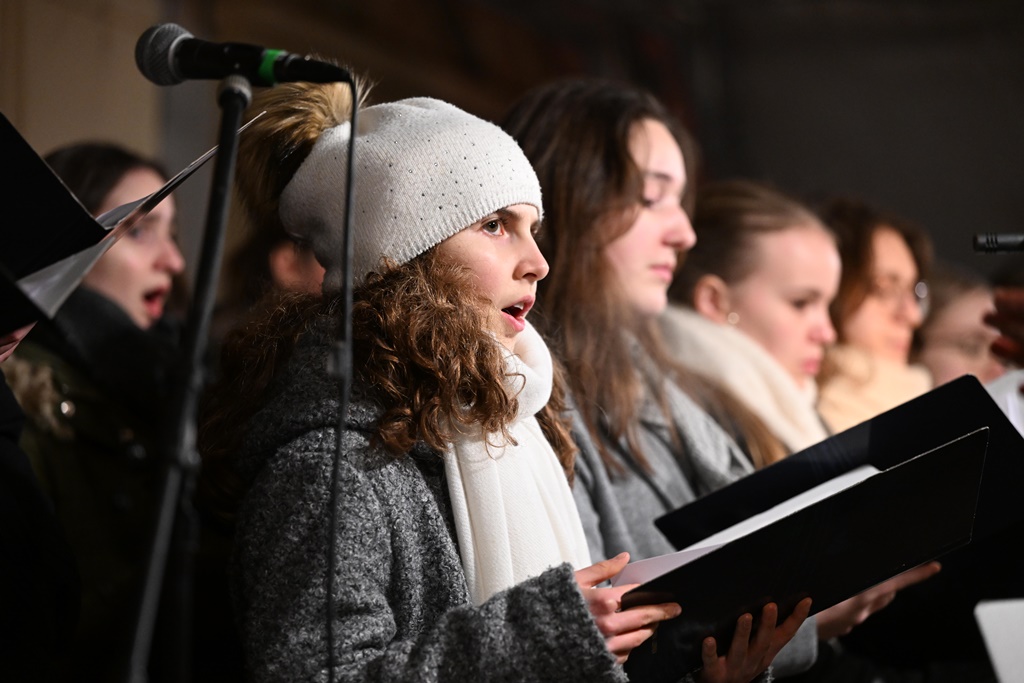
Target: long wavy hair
421,349
577,134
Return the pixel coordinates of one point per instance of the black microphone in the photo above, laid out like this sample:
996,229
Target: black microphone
167,54
994,242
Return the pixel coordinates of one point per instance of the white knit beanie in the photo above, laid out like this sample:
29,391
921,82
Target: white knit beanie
425,170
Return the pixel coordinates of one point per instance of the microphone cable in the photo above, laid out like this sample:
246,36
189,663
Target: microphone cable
342,371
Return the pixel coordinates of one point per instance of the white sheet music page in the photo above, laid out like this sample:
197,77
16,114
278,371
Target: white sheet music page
645,570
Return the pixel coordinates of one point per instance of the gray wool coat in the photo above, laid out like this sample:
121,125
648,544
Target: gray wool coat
402,608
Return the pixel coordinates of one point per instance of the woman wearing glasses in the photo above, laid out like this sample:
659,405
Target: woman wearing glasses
882,300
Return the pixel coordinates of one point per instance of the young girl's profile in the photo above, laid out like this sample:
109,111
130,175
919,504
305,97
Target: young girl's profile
461,556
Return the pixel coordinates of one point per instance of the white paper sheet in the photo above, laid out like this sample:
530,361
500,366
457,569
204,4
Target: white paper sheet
645,570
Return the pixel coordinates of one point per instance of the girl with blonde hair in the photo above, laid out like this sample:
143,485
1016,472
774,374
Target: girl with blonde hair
751,304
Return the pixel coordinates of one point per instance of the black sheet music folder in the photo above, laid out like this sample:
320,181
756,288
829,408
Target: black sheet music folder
44,224
919,425
46,227
903,516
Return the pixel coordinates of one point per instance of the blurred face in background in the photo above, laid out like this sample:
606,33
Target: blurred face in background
644,257
294,268
883,325
136,272
957,342
783,304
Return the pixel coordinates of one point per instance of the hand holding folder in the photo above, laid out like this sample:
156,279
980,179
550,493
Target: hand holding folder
832,549
842,617
933,620
623,630
750,654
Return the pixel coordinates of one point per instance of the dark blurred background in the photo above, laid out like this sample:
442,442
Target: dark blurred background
914,105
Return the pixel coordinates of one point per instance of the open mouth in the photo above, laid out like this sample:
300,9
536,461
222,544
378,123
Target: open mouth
519,309
516,313
154,301
515,310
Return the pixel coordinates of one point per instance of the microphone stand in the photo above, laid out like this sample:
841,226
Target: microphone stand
176,514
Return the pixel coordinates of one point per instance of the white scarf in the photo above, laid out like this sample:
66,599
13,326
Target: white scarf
744,367
514,512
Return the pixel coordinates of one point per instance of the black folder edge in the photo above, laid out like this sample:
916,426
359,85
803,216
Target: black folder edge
56,226
41,231
919,425
830,551
18,309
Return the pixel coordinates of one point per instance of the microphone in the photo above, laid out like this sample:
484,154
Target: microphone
167,54
995,242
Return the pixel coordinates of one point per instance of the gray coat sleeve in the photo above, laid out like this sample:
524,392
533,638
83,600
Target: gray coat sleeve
401,612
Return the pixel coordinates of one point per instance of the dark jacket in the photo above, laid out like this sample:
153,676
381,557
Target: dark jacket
38,581
96,390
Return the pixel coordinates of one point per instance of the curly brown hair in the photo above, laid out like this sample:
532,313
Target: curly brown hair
420,350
